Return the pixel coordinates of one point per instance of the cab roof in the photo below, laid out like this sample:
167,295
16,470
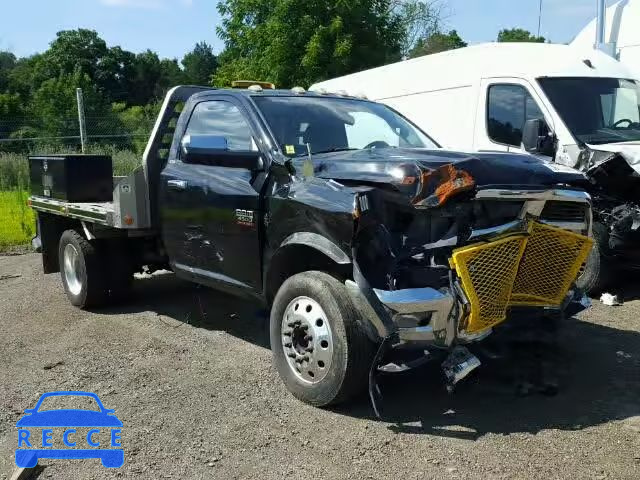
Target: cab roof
244,92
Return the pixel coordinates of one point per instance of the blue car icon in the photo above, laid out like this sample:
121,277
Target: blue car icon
69,419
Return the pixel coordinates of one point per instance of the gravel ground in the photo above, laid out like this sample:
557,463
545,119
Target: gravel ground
189,373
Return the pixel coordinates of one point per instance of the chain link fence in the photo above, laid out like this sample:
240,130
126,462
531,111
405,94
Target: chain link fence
121,138
24,134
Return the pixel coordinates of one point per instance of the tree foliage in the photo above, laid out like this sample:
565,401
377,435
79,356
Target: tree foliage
118,85
420,20
298,42
436,43
288,42
518,35
200,64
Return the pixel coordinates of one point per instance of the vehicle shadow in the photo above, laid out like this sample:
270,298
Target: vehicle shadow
597,369
626,286
201,307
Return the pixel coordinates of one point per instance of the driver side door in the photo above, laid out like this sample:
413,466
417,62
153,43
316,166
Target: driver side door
211,215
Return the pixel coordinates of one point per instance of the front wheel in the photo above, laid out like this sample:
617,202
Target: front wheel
320,351
597,272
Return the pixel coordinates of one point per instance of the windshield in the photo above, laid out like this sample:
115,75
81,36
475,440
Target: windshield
328,124
597,110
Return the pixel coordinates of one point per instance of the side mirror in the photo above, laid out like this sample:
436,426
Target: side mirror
536,137
214,150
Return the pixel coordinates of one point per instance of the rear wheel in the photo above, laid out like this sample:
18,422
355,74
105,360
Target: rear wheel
320,351
81,270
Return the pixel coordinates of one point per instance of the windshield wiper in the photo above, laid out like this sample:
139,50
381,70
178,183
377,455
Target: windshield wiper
330,150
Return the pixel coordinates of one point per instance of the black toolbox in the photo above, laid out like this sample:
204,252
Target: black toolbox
74,178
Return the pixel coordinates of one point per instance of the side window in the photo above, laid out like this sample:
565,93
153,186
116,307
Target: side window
508,108
222,119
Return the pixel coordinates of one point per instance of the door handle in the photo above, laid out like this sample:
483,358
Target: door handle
177,184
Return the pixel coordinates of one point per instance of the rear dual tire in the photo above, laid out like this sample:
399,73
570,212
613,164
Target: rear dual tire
92,274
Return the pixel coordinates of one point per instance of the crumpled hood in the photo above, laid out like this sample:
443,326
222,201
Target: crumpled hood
630,151
488,169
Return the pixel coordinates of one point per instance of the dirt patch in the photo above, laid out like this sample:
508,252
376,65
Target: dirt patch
188,371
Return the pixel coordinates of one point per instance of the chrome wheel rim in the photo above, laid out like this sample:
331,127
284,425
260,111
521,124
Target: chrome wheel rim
306,340
71,276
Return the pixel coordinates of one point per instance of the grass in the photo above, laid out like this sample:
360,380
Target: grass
16,219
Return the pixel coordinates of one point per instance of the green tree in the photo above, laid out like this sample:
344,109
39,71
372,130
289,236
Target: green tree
27,75
298,42
199,65
10,112
116,73
54,104
420,20
518,35
437,42
7,63
76,50
152,77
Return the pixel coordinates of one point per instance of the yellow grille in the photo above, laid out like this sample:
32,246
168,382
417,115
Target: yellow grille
487,273
533,270
549,266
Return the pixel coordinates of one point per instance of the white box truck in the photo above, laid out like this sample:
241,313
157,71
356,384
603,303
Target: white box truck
572,107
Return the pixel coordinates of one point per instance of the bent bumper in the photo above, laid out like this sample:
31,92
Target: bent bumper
534,269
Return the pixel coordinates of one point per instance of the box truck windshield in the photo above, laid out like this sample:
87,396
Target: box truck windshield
596,110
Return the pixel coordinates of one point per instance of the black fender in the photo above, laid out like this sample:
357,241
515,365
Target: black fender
320,243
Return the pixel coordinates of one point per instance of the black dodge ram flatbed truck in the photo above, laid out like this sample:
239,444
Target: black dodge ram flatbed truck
363,237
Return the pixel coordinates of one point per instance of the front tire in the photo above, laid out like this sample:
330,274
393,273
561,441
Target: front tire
81,270
597,273
319,349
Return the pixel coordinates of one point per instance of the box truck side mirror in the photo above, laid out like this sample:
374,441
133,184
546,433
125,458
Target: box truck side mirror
536,137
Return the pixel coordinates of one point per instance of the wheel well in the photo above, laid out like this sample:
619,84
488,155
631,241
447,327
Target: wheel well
50,229
293,259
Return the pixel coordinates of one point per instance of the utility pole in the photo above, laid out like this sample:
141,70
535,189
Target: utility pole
81,119
539,17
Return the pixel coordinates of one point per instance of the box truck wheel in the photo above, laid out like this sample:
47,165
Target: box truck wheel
319,349
81,269
597,272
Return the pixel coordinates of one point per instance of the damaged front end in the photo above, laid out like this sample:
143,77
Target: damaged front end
615,183
441,270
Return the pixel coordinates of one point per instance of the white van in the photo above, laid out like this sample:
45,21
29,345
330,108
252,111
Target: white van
572,107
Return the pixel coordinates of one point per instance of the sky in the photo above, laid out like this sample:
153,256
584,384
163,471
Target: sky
172,27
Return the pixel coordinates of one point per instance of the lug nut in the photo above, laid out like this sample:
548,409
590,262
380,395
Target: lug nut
287,333
293,324
309,349
287,345
291,355
304,327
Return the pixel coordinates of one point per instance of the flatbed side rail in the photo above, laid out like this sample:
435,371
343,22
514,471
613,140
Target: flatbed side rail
100,213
